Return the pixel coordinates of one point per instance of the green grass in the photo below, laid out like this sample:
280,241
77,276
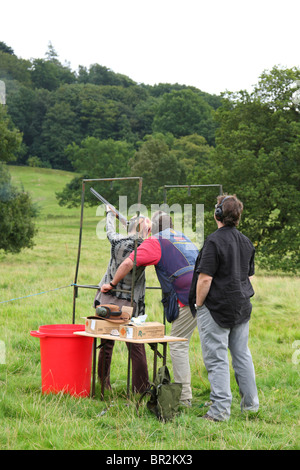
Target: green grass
31,420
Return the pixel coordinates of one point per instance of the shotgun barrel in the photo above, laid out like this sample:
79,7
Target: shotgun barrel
112,208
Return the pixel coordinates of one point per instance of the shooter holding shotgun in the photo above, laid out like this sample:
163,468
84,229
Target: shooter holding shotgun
121,247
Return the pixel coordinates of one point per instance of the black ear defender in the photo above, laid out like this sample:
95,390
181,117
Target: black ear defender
219,210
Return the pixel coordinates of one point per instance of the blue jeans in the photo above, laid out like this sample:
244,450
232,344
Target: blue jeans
215,342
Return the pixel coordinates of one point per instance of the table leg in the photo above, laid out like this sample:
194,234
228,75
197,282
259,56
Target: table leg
94,367
165,345
128,369
103,370
154,361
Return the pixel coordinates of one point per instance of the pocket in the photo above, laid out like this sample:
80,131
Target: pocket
202,308
170,304
247,288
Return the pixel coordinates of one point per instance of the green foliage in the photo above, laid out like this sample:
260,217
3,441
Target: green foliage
28,109
193,152
53,106
10,138
34,162
16,216
105,157
257,157
60,128
101,75
158,166
14,69
96,158
16,209
183,113
49,73
5,48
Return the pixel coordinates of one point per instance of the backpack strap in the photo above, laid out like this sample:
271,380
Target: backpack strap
151,390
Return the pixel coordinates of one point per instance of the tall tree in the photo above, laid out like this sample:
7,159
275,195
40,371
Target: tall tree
60,128
258,158
50,73
183,113
158,166
5,48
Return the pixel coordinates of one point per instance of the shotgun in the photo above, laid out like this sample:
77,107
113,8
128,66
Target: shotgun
112,208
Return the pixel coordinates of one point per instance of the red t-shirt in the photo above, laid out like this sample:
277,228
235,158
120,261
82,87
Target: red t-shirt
148,254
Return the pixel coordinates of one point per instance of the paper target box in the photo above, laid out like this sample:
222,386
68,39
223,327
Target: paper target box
147,330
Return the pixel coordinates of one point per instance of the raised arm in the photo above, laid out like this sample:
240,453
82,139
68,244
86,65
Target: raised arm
111,233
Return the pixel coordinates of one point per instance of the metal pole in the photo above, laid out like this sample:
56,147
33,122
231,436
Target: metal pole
135,245
113,179
75,292
128,369
189,186
155,361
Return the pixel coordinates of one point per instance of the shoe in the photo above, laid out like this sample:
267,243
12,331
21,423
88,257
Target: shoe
187,403
210,418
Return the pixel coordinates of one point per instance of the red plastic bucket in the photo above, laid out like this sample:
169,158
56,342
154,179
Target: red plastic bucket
66,359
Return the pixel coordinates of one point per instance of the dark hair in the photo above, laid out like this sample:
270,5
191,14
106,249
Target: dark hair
161,221
232,209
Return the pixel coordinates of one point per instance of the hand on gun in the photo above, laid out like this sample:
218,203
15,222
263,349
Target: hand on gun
110,208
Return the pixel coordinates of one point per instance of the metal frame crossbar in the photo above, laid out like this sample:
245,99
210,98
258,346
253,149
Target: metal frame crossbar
189,186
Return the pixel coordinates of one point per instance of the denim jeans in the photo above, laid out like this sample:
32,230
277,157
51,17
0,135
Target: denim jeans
215,342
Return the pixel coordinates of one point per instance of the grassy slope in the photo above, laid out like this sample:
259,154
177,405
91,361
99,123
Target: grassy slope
30,420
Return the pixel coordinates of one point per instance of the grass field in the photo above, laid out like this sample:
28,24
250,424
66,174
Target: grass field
31,420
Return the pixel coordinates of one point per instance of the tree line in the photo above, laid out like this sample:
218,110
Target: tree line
54,107
100,124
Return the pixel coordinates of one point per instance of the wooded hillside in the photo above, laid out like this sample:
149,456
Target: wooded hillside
101,123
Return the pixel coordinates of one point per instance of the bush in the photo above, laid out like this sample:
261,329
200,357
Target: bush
17,227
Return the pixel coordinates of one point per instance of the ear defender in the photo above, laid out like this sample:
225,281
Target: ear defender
219,210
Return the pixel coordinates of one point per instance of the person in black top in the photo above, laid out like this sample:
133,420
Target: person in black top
220,299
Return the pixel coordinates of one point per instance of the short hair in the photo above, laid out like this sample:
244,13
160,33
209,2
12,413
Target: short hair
232,209
161,221
135,224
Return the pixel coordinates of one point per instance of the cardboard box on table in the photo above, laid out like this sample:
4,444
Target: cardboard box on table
97,326
145,330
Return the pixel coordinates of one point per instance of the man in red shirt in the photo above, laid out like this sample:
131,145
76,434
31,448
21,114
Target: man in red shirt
173,256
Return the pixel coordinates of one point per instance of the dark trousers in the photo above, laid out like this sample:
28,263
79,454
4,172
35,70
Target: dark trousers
140,379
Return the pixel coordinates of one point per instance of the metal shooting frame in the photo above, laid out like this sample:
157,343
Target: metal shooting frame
88,286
